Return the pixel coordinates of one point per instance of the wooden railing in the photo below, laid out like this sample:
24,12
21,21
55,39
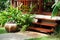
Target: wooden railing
38,3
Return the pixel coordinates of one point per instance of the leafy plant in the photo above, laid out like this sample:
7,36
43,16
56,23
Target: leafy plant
56,8
55,12
27,18
3,4
9,15
26,21
14,15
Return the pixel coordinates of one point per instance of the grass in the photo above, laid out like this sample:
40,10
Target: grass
44,38
2,30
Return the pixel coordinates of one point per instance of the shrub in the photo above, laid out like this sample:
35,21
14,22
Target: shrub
3,4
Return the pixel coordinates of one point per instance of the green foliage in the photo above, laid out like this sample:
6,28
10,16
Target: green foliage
3,4
9,15
55,11
2,30
47,1
43,38
34,39
57,31
56,8
25,20
14,15
24,28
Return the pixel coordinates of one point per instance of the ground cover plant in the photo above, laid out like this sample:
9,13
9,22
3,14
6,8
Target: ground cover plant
2,30
44,38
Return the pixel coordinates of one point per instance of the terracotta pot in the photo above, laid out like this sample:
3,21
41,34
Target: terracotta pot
11,27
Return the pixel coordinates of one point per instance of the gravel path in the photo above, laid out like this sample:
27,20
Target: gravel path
12,36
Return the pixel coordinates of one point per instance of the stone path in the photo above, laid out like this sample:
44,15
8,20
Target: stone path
32,34
20,35
12,36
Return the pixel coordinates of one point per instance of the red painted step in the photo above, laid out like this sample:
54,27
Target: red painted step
46,24
42,29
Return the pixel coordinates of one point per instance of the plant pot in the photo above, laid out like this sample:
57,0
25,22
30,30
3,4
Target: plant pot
11,27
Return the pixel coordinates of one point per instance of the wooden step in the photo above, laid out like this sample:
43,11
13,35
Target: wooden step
45,19
41,29
46,24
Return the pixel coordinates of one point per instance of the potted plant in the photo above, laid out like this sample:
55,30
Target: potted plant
8,18
16,17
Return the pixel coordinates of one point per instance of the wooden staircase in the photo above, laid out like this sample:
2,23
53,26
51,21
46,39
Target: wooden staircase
43,30
44,25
